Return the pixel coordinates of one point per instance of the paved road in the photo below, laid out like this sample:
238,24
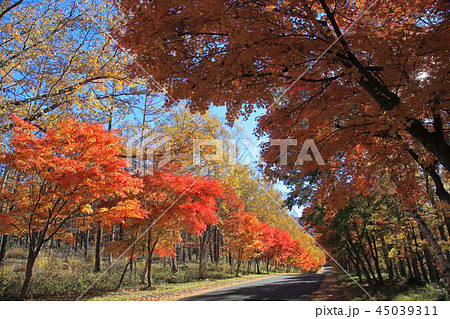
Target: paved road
287,287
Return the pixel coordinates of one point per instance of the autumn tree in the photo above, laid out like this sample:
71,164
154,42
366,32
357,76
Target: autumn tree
56,177
173,202
267,46
242,235
374,235
57,58
261,197
365,80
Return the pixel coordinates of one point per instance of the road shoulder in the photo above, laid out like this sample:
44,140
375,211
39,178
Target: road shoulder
329,290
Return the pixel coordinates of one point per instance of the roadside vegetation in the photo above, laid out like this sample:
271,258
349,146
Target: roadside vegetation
395,291
68,276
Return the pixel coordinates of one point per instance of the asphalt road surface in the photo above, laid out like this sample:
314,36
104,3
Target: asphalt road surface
287,287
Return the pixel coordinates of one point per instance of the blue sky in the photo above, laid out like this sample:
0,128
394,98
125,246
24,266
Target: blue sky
249,125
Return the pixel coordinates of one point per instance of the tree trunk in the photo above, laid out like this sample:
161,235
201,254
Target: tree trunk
216,245
257,266
149,272
239,261
409,266
204,241
401,266
438,209
130,261
366,258
358,259
120,231
3,248
144,272
111,239
28,273
371,240
86,243
385,253
430,264
238,266
33,251
77,239
444,238
419,256
132,265
357,267
416,268
189,252
150,249
173,265
202,264
98,243
211,255
183,251
431,239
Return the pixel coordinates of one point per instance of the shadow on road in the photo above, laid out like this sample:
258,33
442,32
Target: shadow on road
288,287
